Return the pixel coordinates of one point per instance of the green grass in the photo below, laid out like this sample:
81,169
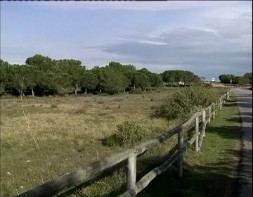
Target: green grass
212,170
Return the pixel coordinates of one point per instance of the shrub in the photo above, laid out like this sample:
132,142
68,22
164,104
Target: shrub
186,101
128,133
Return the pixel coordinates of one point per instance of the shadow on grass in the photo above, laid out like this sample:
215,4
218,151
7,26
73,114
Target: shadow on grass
229,132
211,180
197,181
244,118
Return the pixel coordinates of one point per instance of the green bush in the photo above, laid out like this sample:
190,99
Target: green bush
186,101
128,133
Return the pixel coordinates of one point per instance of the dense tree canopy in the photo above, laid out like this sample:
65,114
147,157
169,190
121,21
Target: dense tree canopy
42,75
233,79
89,81
173,77
113,80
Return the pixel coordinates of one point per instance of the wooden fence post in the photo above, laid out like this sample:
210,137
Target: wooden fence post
203,131
210,113
204,122
180,149
213,111
228,94
131,175
220,102
197,134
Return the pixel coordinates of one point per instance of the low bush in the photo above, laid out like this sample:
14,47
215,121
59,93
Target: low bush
186,101
128,133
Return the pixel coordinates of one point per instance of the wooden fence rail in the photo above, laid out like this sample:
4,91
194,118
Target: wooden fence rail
71,180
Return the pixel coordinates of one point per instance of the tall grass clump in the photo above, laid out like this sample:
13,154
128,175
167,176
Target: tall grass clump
186,101
128,133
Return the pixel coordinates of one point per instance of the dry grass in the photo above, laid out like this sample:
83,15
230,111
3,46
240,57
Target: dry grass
45,137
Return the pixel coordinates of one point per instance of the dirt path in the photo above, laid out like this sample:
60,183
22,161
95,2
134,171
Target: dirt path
244,100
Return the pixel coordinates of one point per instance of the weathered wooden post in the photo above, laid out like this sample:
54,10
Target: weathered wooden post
180,149
131,175
209,113
220,102
197,134
214,109
228,94
203,131
204,123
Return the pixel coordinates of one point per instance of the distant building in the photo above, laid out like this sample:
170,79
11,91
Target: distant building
212,79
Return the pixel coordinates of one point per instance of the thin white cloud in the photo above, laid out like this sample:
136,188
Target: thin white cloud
152,42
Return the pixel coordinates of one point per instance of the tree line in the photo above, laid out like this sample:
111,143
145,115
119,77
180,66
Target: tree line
41,75
246,79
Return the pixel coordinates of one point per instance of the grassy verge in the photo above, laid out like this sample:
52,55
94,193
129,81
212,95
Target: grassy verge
210,172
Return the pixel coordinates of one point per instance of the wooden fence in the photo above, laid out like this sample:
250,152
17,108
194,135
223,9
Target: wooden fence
85,174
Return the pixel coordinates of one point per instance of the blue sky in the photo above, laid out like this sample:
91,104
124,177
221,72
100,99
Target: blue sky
207,37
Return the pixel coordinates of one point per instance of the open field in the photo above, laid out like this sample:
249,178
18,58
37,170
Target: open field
44,137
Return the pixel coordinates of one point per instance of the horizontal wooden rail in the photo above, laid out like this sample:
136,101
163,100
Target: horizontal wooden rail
71,180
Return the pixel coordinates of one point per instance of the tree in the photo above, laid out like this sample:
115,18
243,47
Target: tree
32,78
89,81
155,80
42,68
243,80
4,76
113,81
127,70
98,72
140,80
41,62
18,78
229,78
74,72
175,76
248,77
